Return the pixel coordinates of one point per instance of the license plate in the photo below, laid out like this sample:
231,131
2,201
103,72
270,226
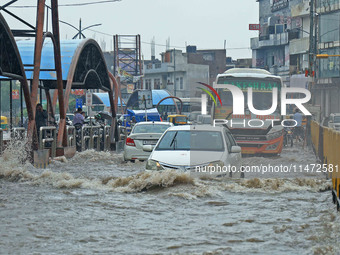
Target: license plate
149,142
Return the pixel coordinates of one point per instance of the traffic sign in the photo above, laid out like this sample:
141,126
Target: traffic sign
79,103
145,99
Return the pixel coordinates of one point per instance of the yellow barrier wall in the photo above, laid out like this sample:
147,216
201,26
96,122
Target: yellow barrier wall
331,151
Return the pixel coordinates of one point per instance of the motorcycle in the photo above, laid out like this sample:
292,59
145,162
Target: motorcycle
288,136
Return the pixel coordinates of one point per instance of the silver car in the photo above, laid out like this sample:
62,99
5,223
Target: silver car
143,133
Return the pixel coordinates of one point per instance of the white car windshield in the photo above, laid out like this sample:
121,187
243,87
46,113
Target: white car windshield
192,140
150,128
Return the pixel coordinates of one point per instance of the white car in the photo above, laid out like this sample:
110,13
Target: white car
143,133
199,149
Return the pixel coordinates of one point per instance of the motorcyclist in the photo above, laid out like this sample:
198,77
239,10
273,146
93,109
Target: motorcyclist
78,117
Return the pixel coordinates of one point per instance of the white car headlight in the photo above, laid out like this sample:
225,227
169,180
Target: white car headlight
153,165
216,163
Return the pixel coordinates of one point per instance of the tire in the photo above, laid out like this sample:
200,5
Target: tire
132,161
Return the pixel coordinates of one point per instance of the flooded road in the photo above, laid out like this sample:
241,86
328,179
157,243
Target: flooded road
96,203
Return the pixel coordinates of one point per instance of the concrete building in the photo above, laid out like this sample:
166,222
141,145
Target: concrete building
174,73
215,59
326,91
282,45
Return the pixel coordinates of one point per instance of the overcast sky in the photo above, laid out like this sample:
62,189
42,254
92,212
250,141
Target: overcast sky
206,24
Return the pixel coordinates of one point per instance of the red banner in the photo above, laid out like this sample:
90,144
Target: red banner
78,92
15,94
254,26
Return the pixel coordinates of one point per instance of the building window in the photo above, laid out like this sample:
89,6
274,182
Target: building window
181,87
157,83
158,65
147,83
149,66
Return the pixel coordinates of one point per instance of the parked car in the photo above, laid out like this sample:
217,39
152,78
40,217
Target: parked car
196,149
143,133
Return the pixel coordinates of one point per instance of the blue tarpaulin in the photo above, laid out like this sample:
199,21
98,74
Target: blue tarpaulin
104,98
152,114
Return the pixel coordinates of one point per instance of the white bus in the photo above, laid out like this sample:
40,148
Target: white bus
267,139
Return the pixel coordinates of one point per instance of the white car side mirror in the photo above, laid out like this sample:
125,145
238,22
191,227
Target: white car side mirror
147,148
235,149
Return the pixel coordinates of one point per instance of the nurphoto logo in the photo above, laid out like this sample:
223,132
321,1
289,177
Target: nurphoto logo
239,103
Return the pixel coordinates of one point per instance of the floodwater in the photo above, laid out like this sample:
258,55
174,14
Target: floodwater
97,204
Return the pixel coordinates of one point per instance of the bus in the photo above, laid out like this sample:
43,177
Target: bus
265,139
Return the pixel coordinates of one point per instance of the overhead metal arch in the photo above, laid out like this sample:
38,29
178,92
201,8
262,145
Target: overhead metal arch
87,66
91,70
11,66
10,61
83,64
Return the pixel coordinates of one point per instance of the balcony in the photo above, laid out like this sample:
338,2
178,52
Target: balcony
279,70
299,46
273,40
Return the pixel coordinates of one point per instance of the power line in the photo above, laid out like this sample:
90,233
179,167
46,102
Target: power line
157,44
67,5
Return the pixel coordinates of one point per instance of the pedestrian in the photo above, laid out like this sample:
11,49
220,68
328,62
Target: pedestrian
40,118
298,130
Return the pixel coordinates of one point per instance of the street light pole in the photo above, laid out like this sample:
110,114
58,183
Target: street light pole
174,71
311,39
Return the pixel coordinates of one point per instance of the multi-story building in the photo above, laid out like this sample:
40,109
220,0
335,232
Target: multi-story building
174,73
326,91
215,59
270,48
282,46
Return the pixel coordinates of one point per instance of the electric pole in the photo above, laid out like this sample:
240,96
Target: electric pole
311,39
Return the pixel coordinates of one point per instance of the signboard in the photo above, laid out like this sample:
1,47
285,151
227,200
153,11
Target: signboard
78,92
79,103
254,26
88,99
145,99
130,88
279,4
15,94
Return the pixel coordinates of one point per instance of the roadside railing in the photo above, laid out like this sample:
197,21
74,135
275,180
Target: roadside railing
18,133
1,141
326,145
107,138
90,137
48,136
71,136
